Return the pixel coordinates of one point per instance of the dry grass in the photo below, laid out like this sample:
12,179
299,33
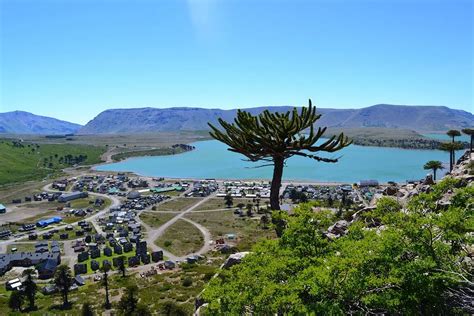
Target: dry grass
181,238
248,230
177,205
155,220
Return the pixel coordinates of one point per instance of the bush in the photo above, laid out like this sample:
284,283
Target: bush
168,243
187,282
207,276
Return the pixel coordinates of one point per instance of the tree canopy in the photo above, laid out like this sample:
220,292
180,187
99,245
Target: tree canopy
389,261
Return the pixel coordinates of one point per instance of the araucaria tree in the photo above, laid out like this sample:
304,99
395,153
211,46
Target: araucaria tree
275,137
453,133
63,281
105,282
29,287
433,165
470,132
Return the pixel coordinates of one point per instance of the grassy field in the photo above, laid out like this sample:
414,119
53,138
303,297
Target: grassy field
177,205
181,238
219,203
248,230
154,291
160,139
34,219
155,220
21,247
31,161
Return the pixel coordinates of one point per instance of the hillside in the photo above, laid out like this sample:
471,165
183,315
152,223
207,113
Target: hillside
19,122
142,120
22,161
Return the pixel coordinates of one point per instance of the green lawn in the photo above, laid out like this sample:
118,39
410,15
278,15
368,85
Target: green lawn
177,205
181,238
30,161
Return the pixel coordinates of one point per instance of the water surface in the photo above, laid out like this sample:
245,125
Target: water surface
212,160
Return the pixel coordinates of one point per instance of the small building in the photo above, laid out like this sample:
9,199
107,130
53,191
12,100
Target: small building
145,258
108,251
66,197
127,247
3,209
368,183
47,268
13,285
32,236
83,256
118,249
49,221
80,268
80,280
133,261
95,265
157,256
95,253
170,264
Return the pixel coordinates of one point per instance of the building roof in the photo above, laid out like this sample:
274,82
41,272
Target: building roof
51,220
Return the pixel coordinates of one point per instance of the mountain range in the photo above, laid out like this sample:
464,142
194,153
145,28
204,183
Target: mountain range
20,122
142,120
145,120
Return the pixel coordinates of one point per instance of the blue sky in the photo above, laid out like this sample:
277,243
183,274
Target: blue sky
73,59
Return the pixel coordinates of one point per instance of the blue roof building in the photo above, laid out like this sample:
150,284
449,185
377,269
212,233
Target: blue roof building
49,221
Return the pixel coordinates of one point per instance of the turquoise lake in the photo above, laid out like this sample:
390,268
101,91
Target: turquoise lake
211,159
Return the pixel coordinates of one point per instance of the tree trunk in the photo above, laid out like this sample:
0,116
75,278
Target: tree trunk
472,138
106,283
276,183
66,303
434,174
450,160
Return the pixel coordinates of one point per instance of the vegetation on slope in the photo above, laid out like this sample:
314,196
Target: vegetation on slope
390,261
29,161
389,137
151,152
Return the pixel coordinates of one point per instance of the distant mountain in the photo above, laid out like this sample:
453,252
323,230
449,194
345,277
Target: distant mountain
144,120
20,122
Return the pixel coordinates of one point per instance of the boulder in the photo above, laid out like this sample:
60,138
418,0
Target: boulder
339,228
234,259
428,180
390,190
